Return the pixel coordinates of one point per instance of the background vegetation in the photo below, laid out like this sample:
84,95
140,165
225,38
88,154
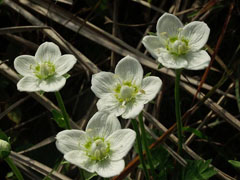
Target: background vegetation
99,33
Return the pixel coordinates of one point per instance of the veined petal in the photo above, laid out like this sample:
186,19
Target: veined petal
103,83
151,86
69,140
110,104
171,61
109,168
198,60
47,51
103,123
29,84
153,45
196,33
52,84
132,110
24,65
80,159
168,25
121,142
64,63
129,69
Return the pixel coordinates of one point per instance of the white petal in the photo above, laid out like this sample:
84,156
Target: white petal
197,34
64,64
121,142
52,84
153,45
103,123
80,159
171,61
151,86
29,84
47,51
69,140
129,69
169,24
132,110
110,104
24,65
198,60
109,168
103,83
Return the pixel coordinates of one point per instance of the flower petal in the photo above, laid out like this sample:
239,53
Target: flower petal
69,140
110,104
80,159
132,110
129,69
198,60
151,86
47,51
24,64
168,23
29,84
103,83
121,142
171,61
196,33
109,168
52,84
103,123
64,64
153,44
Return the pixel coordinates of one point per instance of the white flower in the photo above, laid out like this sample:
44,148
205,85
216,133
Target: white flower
45,70
125,92
177,46
101,148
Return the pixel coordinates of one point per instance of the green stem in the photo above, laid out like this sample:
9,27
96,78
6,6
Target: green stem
63,110
145,144
178,110
14,168
139,146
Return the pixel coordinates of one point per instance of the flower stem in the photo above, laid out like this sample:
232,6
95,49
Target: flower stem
14,168
144,138
178,111
63,109
139,146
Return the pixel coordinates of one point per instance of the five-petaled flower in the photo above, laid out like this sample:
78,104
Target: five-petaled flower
101,148
125,92
45,70
177,46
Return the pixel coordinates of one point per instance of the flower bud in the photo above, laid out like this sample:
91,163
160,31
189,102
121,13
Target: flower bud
5,149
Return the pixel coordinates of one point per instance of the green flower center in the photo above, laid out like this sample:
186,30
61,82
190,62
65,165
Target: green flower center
177,46
97,149
126,92
44,70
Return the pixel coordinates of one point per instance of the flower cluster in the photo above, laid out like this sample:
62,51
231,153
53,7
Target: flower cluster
45,70
103,145
177,46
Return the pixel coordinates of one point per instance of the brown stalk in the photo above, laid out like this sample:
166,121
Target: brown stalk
216,49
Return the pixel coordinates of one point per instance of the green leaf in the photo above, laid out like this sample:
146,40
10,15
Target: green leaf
234,163
67,75
88,175
58,117
152,33
198,170
195,131
3,136
148,74
160,66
